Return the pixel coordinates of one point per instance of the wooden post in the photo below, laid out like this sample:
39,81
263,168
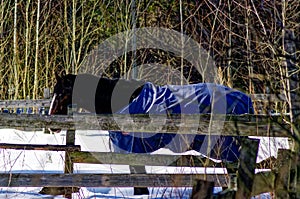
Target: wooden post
282,168
139,170
70,141
202,190
66,191
246,169
292,73
285,173
46,93
230,192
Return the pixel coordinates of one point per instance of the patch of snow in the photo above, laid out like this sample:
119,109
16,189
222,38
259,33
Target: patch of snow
268,146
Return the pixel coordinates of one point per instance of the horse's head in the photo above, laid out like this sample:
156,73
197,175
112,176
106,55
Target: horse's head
62,95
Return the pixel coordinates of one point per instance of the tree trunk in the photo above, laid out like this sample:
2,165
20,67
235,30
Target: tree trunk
36,81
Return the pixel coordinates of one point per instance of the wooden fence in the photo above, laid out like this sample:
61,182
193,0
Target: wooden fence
240,182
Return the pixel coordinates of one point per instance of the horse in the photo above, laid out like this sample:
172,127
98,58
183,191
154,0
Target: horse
108,96
94,93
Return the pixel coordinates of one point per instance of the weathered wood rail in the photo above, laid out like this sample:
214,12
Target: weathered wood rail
24,103
242,125
248,183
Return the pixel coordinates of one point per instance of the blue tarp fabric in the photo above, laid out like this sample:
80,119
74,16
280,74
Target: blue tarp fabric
187,99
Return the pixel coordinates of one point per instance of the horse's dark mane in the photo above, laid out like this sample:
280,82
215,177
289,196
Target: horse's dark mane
95,94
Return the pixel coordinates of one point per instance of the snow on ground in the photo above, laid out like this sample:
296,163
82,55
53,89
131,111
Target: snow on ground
53,162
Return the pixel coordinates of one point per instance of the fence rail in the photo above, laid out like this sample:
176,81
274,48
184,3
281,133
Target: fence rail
24,103
232,125
107,180
264,182
46,102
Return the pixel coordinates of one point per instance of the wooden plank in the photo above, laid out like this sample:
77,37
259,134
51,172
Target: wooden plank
128,180
32,121
243,125
24,103
43,147
246,169
46,102
283,166
143,159
107,180
78,156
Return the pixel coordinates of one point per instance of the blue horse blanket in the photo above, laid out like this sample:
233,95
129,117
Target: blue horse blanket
188,99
